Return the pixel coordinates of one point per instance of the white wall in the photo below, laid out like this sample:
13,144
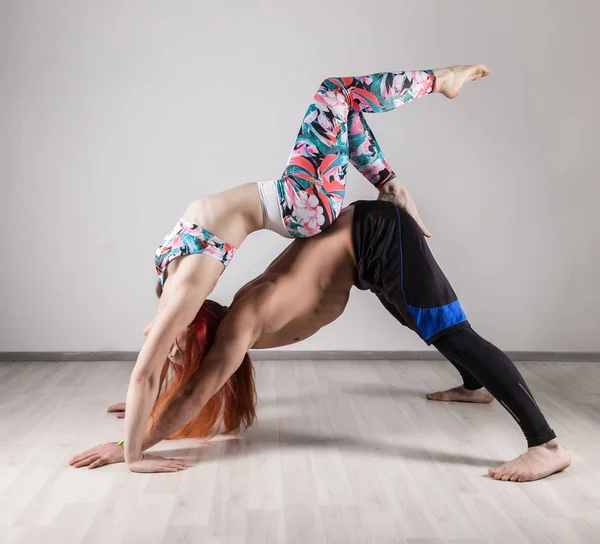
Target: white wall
113,115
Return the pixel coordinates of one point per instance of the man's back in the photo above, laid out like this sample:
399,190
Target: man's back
304,289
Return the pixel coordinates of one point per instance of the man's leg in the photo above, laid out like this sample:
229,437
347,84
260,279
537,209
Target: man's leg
492,368
470,390
420,296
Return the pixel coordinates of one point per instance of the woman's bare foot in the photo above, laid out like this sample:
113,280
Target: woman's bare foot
460,394
536,463
119,409
450,81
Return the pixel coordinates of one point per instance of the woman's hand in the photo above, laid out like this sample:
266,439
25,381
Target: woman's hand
98,456
154,463
108,454
394,191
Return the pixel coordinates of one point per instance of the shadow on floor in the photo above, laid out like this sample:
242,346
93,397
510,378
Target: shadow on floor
374,390
266,436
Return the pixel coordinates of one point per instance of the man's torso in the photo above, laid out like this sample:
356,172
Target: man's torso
305,288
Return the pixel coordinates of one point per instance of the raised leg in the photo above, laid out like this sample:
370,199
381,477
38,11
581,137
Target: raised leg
313,183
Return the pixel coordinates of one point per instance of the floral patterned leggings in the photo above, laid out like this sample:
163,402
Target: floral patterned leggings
335,132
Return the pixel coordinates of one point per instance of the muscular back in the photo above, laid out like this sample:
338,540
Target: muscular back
304,289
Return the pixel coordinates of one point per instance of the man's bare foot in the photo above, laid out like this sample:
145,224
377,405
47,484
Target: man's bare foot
536,463
450,81
119,409
394,191
460,394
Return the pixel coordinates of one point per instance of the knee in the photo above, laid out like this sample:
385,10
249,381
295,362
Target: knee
333,84
335,96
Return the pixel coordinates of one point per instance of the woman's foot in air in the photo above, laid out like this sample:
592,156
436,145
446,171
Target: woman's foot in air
460,394
450,81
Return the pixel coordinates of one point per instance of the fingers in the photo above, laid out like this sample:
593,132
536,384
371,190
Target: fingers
177,463
422,226
119,407
81,456
164,466
120,415
100,462
180,464
84,461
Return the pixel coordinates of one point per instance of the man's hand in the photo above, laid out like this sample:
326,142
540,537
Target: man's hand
154,463
98,456
117,409
394,191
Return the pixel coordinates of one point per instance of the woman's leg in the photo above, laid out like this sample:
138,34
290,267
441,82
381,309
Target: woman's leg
364,152
312,187
313,184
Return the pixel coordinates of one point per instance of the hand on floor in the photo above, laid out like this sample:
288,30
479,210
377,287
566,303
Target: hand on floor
98,456
154,463
118,409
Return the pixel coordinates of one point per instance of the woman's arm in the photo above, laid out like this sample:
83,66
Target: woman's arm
184,302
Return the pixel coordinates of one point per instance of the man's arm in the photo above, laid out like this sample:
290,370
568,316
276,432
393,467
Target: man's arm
235,336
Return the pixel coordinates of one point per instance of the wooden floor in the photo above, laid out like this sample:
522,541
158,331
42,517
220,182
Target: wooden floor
344,451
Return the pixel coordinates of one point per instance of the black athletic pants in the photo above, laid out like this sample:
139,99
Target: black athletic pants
480,363
393,261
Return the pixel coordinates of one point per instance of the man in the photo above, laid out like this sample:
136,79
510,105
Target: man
375,246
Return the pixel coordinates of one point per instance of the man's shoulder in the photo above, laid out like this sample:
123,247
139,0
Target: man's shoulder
256,297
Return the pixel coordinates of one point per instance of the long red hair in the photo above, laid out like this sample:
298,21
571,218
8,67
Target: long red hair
233,406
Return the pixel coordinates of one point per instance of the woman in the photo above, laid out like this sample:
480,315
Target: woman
303,202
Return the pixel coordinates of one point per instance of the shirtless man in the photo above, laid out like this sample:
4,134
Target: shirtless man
375,246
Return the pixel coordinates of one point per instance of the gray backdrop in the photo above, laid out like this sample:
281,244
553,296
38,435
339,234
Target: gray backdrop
113,115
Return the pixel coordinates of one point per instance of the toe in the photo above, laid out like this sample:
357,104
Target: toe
514,478
525,477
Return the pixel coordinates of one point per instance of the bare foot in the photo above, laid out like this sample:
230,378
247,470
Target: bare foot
119,409
536,463
460,394
450,81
